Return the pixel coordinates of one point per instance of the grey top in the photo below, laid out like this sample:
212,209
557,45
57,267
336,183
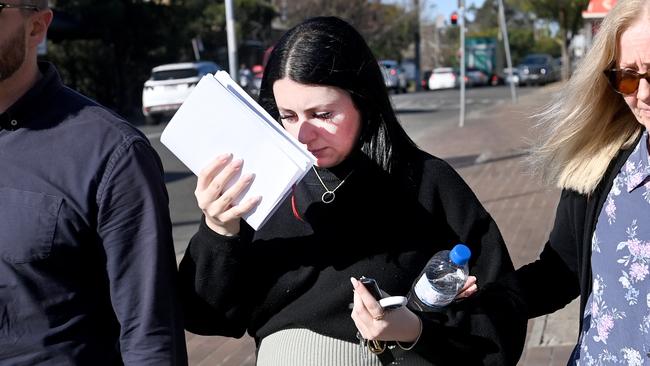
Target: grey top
303,347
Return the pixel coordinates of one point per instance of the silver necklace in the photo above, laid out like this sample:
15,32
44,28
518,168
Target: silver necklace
329,194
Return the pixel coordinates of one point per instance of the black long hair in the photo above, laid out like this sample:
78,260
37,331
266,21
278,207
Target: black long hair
329,51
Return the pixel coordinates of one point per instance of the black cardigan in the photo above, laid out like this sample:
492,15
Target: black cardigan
294,272
563,270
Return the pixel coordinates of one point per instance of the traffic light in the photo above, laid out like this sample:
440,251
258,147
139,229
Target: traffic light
454,18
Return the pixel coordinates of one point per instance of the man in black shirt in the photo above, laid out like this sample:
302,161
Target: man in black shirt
87,267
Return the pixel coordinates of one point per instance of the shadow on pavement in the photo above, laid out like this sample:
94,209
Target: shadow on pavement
461,161
485,158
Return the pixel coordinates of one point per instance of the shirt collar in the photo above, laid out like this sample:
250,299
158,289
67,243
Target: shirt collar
19,113
637,167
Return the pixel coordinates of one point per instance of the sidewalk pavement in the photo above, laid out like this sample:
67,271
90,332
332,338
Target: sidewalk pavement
488,153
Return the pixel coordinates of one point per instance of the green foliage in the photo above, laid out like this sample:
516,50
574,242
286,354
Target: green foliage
388,28
121,40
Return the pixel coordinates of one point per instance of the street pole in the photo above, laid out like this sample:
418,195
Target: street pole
232,40
506,44
461,11
416,4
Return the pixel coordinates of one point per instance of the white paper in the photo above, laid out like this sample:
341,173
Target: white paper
217,118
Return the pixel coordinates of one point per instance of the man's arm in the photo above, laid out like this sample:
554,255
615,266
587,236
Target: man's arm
135,229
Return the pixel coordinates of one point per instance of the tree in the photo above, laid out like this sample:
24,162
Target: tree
253,22
567,14
119,41
388,28
521,28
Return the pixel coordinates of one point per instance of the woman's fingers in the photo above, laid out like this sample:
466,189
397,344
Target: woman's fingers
360,316
367,314
216,187
369,302
223,208
208,173
399,324
469,288
217,202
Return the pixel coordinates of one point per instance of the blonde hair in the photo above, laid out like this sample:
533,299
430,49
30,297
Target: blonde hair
587,124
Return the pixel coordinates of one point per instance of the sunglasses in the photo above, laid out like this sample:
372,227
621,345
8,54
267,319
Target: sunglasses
625,81
9,6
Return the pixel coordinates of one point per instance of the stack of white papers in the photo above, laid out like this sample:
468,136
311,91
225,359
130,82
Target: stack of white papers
219,117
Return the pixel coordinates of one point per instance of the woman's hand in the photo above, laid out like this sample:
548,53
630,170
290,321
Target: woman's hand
375,323
215,202
468,289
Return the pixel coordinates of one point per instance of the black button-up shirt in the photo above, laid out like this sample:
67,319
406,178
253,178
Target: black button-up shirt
87,266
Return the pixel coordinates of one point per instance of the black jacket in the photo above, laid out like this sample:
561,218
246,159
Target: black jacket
563,270
294,272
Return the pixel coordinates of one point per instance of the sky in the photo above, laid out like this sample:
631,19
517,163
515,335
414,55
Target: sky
446,7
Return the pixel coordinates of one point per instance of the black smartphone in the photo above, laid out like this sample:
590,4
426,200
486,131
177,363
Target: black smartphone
371,286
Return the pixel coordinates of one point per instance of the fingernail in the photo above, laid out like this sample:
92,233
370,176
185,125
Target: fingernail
249,177
237,163
224,157
354,281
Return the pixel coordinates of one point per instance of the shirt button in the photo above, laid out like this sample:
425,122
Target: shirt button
14,123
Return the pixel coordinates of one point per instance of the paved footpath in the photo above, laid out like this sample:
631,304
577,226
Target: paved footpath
488,153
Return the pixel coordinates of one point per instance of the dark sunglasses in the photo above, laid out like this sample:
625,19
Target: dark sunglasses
9,6
625,81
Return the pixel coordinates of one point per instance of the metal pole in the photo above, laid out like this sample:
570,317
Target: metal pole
195,47
232,40
416,4
461,12
506,44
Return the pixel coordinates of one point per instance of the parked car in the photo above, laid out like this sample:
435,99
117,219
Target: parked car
443,78
537,69
476,77
169,85
394,76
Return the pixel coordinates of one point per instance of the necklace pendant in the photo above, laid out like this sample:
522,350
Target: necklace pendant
328,197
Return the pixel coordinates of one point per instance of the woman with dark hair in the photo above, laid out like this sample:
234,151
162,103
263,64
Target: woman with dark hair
374,205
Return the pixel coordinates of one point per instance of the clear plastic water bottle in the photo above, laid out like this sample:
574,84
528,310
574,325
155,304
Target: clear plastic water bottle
441,280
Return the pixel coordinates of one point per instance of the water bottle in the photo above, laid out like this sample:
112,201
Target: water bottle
441,280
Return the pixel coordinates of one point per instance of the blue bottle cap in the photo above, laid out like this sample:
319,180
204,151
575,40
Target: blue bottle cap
460,254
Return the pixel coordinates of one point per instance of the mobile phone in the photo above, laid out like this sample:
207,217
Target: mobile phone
371,286
392,302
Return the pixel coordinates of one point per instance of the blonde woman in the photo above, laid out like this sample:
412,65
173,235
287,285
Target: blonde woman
594,145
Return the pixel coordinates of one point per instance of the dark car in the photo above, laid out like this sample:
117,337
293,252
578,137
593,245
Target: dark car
394,76
537,69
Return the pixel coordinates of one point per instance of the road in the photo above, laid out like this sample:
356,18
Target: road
421,113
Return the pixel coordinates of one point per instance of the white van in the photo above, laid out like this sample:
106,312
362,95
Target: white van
169,85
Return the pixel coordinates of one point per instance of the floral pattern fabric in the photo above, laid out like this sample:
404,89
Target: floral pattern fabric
616,322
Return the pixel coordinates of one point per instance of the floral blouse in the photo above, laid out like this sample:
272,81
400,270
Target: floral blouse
616,322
